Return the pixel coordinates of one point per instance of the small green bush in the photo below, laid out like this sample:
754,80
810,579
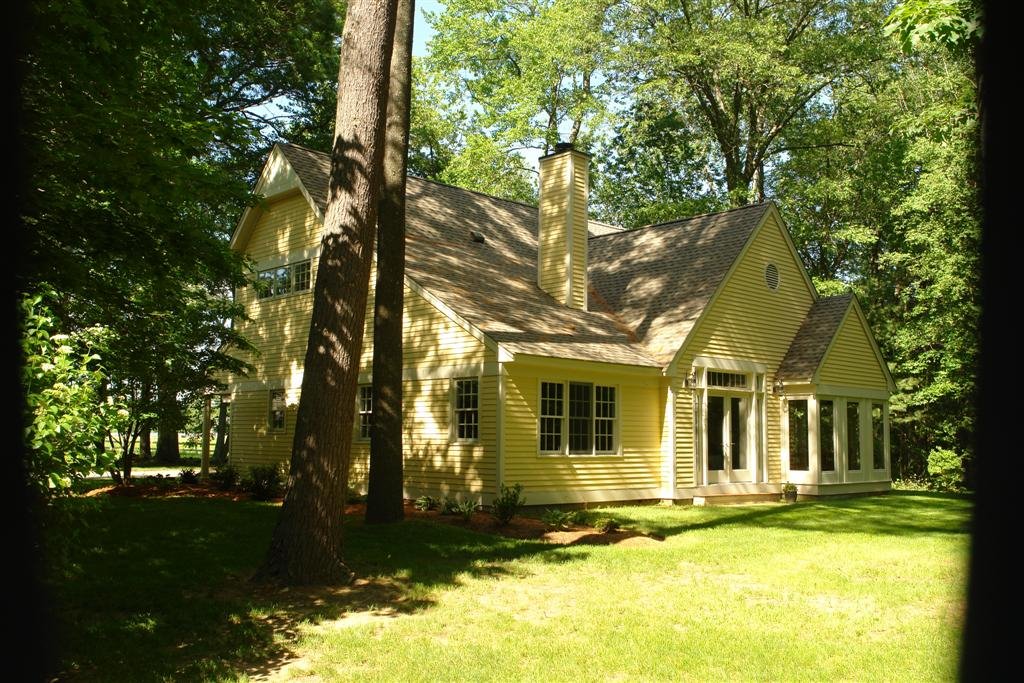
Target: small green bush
606,525
466,508
946,469
559,519
353,496
425,503
188,476
507,503
264,482
225,478
449,506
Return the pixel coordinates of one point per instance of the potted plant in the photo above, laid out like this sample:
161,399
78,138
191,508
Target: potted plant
789,492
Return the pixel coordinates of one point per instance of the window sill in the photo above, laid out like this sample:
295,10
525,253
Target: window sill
617,454
278,297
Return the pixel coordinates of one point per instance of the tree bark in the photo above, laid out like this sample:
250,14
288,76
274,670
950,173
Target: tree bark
307,541
168,450
385,495
145,441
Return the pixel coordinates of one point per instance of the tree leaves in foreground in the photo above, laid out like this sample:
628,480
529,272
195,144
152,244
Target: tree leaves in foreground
143,132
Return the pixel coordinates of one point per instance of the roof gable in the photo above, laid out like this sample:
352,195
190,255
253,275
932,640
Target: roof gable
659,279
847,360
813,339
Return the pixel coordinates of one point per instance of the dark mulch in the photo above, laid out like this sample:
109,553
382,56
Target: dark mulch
521,527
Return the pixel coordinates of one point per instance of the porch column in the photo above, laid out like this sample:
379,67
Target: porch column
205,468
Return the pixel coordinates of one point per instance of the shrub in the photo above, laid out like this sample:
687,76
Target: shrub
449,506
946,469
225,478
264,482
558,519
425,503
353,496
466,508
188,476
507,503
606,524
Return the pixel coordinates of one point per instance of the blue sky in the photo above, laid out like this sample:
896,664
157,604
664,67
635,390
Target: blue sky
421,32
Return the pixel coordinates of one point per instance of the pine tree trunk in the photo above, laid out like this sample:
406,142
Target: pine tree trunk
385,496
307,541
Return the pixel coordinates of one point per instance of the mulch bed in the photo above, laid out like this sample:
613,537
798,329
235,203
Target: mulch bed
526,528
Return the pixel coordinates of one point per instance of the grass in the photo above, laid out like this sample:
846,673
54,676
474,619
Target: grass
864,589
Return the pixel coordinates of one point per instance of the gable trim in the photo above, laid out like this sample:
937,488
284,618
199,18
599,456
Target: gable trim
247,222
772,210
862,319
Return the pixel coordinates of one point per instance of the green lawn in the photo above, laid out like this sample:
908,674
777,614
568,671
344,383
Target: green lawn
861,589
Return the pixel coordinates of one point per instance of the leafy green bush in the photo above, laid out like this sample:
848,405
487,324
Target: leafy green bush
353,496
466,508
558,519
507,503
66,415
449,506
606,525
188,476
225,478
946,469
425,503
264,482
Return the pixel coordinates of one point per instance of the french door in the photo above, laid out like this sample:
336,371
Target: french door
729,439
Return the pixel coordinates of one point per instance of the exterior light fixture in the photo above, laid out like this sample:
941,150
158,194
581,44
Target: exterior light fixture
691,379
778,388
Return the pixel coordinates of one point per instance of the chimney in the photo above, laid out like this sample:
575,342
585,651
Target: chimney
562,225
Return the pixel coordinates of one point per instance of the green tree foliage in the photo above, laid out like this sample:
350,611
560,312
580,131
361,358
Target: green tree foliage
144,129
68,417
525,68
740,73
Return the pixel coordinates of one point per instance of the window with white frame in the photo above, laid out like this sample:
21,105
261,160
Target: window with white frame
826,434
467,409
552,410
365,411
799,453
852,435
877,437
277,407
578,418
281,280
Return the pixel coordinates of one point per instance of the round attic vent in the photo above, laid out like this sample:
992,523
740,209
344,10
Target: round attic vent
771,276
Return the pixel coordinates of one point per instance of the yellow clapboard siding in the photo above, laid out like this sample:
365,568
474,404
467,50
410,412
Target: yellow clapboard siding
279,328
750,322
640,417
851,360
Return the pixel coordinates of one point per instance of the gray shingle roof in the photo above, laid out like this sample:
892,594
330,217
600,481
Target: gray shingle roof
807,351
647,286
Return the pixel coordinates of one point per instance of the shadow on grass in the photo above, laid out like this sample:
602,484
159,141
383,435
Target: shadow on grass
897,513
157,589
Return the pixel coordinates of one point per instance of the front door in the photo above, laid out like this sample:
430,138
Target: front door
728,439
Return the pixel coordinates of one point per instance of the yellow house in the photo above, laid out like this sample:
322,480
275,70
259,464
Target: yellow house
683,360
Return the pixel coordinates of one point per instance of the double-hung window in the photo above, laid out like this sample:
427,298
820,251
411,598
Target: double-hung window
365,411
466,411
577,418
276,410
294,277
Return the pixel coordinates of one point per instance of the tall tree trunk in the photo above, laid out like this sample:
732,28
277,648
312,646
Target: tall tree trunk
145,445
220,449
307,541
168,418
384,496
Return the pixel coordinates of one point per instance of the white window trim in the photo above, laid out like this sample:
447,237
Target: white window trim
757,433
291,280
270,410
616,451
358,431
453,427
